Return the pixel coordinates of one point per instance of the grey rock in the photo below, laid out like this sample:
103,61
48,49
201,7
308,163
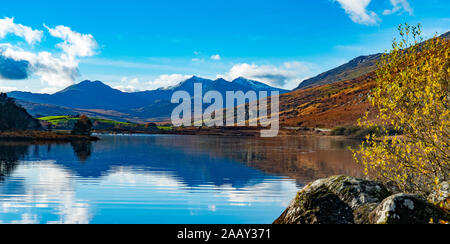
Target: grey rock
406,209
440,197
335,200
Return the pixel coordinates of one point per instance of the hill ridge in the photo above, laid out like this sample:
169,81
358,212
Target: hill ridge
98,99
355,68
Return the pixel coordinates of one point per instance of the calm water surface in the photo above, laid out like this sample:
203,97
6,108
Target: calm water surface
163,179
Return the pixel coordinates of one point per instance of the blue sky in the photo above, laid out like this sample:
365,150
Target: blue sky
141,45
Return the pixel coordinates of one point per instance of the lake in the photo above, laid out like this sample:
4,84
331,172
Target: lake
164,178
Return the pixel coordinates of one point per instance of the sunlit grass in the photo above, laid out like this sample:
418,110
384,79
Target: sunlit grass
60,120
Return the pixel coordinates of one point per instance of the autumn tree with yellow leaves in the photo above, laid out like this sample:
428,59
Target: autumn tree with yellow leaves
412,95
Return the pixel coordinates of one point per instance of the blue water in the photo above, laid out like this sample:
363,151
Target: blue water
154,179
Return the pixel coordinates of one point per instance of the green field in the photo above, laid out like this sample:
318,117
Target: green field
64,120
165,128
61,121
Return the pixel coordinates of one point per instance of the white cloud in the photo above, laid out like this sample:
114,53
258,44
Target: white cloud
8,88
398,5
8,26
357,10
145,83
49,90
128,85
126,88
168,80
134,81
75,44
288,74
55,70
45,182
215,57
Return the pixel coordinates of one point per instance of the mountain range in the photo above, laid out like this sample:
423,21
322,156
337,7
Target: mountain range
334,98
95,98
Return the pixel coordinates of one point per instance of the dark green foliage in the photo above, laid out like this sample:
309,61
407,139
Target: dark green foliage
151,126
15,118
83,126
360,132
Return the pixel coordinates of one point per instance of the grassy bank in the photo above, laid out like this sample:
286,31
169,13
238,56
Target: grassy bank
62,121
66,122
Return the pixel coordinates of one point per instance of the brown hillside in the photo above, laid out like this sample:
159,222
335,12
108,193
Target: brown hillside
336,104
328,106
353,69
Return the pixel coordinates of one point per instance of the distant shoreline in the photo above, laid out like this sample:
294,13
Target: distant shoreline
222,131
30,136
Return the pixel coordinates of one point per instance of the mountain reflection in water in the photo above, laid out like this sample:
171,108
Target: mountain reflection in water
163,179
301,158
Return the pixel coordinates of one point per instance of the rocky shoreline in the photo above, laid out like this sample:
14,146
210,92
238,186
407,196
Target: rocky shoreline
44,136
347,200
223,131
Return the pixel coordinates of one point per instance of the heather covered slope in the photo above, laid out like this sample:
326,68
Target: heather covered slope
327,101
355,68
327,106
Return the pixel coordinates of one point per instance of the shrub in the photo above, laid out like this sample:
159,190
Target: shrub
363,132
412,96
83,126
